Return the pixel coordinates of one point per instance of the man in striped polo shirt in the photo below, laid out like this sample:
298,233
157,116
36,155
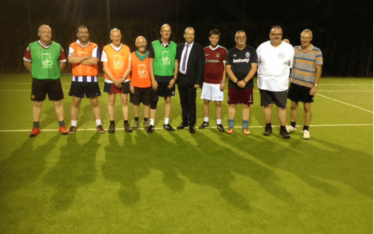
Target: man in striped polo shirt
305,77
84,56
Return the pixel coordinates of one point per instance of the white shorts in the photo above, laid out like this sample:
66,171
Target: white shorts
212,92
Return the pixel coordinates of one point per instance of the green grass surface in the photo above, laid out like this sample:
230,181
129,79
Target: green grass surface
209,182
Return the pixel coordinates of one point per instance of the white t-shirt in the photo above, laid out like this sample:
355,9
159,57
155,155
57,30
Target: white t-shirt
274,66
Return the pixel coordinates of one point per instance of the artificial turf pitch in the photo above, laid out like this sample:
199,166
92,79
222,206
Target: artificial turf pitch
209,182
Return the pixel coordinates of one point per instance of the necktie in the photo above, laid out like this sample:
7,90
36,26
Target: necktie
185,58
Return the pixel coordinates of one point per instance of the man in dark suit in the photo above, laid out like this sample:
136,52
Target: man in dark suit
190,58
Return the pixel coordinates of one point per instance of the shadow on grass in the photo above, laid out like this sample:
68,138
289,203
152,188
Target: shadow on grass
24,165
75,168
314,166
207,164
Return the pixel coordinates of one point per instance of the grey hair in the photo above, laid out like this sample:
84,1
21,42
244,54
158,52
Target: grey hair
115,29
140,37
44,25
307,31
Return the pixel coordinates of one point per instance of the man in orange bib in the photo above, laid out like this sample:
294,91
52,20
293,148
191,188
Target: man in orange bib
84,56
117,66
140,81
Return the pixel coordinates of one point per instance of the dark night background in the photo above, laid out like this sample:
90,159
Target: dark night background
342,29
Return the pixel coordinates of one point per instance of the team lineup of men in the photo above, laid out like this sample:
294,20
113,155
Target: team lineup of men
147,75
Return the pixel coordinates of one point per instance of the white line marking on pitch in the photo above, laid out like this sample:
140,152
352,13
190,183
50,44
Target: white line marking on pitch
345,103
122,129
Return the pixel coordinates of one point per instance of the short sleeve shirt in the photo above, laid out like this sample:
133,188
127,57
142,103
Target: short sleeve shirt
241,63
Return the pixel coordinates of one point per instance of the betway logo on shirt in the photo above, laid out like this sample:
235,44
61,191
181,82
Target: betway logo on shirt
240,60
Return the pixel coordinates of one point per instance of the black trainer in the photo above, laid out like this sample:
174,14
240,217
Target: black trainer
151,129
268,131
284,134
220,128
192,129
128,128
182,126
112,128
168,127
204,125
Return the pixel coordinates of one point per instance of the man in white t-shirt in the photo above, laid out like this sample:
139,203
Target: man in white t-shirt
274,62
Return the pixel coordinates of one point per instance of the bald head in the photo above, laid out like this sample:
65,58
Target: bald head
141,44
44,27
140,38
45,34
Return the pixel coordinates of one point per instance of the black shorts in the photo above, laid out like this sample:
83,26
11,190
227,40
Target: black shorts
298,93
112,89
141,95
162,89
271,97
40,88
80,89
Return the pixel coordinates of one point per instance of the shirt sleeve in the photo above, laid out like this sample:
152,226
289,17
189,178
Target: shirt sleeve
104,58
292,57
95,53
151,52
319,58
254,56
62,56
179,54
258,53
71,50
224,55
27,56
229,59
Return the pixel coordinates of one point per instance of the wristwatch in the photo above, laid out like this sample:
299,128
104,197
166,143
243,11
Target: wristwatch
316,85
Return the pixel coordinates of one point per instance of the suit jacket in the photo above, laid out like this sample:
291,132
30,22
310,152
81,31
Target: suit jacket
195,65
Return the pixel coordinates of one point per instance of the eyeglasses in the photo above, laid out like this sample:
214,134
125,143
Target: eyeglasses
240,38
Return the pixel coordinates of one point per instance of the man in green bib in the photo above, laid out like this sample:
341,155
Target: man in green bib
45,59
163,74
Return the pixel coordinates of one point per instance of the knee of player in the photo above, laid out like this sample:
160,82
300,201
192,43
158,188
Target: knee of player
58,103
207,101
294,105
168,100
218,104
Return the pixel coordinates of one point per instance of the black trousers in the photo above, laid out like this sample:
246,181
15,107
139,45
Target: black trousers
187,96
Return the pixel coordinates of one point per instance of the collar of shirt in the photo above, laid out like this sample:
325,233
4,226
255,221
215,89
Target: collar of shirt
116,48
46,47
163,44
189,44
214,47
79,43
301,48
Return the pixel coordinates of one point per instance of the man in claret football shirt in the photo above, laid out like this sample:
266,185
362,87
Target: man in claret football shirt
45,59
241,67
214,78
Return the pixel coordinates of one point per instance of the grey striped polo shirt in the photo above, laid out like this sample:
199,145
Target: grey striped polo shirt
304,66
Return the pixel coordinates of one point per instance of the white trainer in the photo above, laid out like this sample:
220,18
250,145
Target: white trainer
290,129
306,135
